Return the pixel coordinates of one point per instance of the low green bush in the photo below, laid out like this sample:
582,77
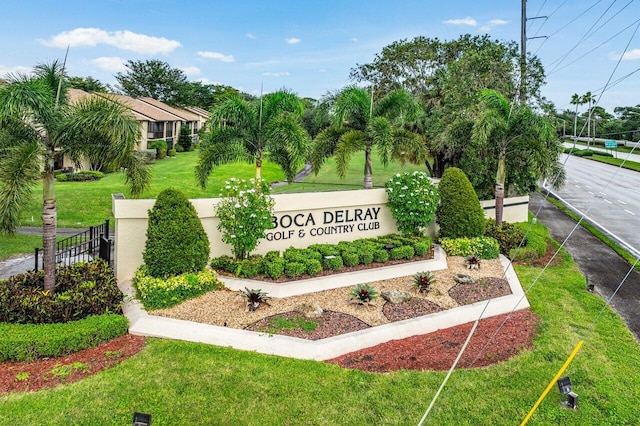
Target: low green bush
171,153
313,267
82,290
380,256
160,146
273,268
26,342
179,148
402,252
536,248
508,235
350,258
325,249
421,248
146,155
366,256
251,267
333,263
294,269
158,293
224,263
82,176
483,247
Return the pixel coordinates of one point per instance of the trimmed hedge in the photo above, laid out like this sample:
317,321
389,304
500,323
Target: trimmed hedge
82,290
508,235
158,293
483,247
459,213
83,176
26,342
176,241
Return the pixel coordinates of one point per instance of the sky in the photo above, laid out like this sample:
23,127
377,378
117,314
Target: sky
310,46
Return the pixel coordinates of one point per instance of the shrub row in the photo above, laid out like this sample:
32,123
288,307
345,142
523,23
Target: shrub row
295,262
26,342
82,289
483,247
158,293
83,176
508,235
586,152
146,155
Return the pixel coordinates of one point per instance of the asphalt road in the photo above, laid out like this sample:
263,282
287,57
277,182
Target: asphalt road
602,266
608,196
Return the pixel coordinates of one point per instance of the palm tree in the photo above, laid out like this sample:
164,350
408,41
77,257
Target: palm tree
37,123
588,98
240,130
577,101
515,128
359,126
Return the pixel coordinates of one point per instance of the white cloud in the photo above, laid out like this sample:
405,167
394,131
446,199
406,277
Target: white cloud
113,64
464,21
353,39
628,55
322,70
190,70
205,80
496,22
125,40
485,28
216,55
251,36
292,40
276,74
17,70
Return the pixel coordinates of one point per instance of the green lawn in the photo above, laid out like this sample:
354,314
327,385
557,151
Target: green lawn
189,383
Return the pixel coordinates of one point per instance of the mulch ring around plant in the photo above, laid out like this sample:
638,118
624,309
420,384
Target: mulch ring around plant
295,324
32,376
438,350
483,289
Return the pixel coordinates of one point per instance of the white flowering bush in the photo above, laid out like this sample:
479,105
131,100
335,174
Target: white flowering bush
158,293
245,212
413,201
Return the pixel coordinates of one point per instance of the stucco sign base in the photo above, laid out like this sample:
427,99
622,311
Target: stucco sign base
141,323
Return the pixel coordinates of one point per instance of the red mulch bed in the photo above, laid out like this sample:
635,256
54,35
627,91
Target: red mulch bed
438,350
32,376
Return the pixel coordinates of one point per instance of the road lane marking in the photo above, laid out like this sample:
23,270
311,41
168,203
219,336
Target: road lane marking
622,202
630,212
608,202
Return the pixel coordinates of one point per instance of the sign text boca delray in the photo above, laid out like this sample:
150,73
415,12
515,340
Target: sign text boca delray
328,222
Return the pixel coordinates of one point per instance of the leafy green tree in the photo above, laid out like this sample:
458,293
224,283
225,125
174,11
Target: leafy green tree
88,84
241,130
446,77
155,79
358,125
504,130
36,122
176,241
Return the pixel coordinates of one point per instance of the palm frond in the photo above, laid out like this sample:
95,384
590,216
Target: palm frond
380,135
137,175
324,146
20,168
352,108
350,143
216,154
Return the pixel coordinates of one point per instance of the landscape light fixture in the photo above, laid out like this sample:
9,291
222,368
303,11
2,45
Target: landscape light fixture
564,386
590,286
141,419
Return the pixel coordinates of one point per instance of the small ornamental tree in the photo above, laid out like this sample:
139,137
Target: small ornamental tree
184,140
245,212
459,213
413,201
176,241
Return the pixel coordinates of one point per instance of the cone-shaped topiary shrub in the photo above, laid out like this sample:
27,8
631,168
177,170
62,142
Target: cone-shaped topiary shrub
176,241
459,213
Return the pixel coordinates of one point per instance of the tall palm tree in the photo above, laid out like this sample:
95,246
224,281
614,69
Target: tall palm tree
358,125
515,128
37,123
240,130
588,98
577,101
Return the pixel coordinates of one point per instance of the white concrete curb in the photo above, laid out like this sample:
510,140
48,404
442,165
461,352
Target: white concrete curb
141,323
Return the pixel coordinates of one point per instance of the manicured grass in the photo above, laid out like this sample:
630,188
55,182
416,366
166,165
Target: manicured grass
18,243
328,180
189,383
631,165
82,204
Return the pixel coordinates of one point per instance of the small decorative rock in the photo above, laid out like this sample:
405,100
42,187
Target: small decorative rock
310,311
396,296
463,279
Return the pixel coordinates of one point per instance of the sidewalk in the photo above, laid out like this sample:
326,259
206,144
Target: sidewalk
602,266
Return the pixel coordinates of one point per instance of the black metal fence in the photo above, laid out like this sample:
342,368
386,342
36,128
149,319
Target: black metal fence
85,246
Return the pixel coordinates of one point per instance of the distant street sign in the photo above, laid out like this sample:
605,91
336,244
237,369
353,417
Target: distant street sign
610,144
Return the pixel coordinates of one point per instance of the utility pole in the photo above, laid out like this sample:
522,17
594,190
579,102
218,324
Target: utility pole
523,53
